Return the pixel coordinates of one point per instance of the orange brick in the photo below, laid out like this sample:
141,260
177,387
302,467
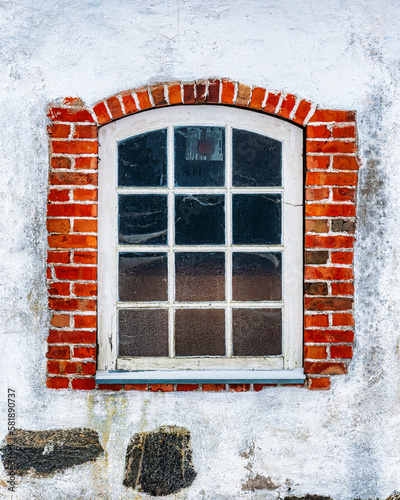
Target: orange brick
318,162
110,387
161,387
342,289
331,179
316,226
341,351
136,387
58,257
85,225
72,178
69,115
85,289
346,163
228,92
302,112
59,288
257,98
72,210
85,384
314,241
328,115
174,94
344,132
213,387
86,163
315,352
85,132
85,321
343,194
72,304
272,102
74,147
85,257
317,194
343,319
61,226
115,107
287,106
57,383
187,387
327,304
60,320
328,273
71,337
324,368
330,210
328,336
58,352
101,113
318,132
85,194
321,383
84,352
59,194
331,147
129,103
72,241
342,257
75,273
316,320
59,130
143,99
239,387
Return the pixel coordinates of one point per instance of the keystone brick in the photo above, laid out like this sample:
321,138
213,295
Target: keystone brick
201,91
257,98
129,103
158,95
188,93
144,99
243,95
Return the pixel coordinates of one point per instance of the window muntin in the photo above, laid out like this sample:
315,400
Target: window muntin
208,211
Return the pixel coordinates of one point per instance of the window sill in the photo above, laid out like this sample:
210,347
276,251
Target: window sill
295,376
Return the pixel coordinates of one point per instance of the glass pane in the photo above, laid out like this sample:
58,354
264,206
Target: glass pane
199,156
200,332
142,160
257,332
199,219
256,276
142,219
199,276
256,219
143,332
256,160
143,276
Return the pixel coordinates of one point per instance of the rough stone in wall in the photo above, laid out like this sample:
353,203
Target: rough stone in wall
160,462
50,450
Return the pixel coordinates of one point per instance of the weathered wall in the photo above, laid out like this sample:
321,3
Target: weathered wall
340,54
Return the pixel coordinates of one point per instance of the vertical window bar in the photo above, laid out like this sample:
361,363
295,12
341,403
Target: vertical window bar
228,239
171,241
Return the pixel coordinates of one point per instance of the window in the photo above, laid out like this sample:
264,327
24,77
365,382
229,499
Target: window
200,242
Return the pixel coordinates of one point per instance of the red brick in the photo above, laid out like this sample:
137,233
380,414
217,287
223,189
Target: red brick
317,194
110,387
61,226
302,112
59,130
287,106
85,225
57,382
72,210
85,194
344,319
136,387
316,226
318,162
213,387
329,210
72,178
59,194
331,179
85,257
327,303
72,241
344,132
85,289
188,93
239,387
321,383
60,320
60,162
115,107
161,387
158,95
243,95
48,273
71,337
346,163
328,273
260,387
101,113
85,132
318,132
85,321
201,91
331,147
86,163
86,384
341,351
328,336
324,368
58,352
343,194
257,98
85,352
144,99
70,115
74,147
187,387
72,304
272,102
342,289
315,352
175,97
328,115
315,241
59,288
342,257
76,273
129,103
316,320
213,91
71,367
228,92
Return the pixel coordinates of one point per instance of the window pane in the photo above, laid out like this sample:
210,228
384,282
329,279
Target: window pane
256,276
142,219
200,332
142,160
257,332
257,160
143,277
200,276
143,332
199,219
256,219
199,156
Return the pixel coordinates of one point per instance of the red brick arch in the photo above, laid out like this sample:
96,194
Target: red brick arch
330,182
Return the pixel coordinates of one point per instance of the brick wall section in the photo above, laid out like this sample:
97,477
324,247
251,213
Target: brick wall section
330,183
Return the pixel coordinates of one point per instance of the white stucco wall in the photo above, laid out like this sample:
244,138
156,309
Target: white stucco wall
341,54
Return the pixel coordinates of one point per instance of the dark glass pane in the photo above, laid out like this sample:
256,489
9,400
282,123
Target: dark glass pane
199,156
142,219
143,332
257,160
256,219
142,160
257,332
143,276
200,332
199,276
199,219
256,276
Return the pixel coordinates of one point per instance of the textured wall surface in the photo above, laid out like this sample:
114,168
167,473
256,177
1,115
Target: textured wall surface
342,54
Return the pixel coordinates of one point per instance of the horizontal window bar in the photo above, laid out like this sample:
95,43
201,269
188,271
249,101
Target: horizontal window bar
201,305
198,248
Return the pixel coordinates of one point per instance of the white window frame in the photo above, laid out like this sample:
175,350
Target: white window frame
202,368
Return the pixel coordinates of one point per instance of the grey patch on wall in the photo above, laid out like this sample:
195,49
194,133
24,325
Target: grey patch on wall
49,451
308,497
259,482
160,462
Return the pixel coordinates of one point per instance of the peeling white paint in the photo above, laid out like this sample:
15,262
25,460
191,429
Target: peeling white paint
341,54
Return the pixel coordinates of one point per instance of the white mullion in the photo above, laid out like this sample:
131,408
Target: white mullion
202,305
171,242
142,190
228,236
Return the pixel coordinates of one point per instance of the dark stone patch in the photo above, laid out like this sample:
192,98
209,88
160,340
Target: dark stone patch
49,451
308,497
340,225
160,462
316,288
